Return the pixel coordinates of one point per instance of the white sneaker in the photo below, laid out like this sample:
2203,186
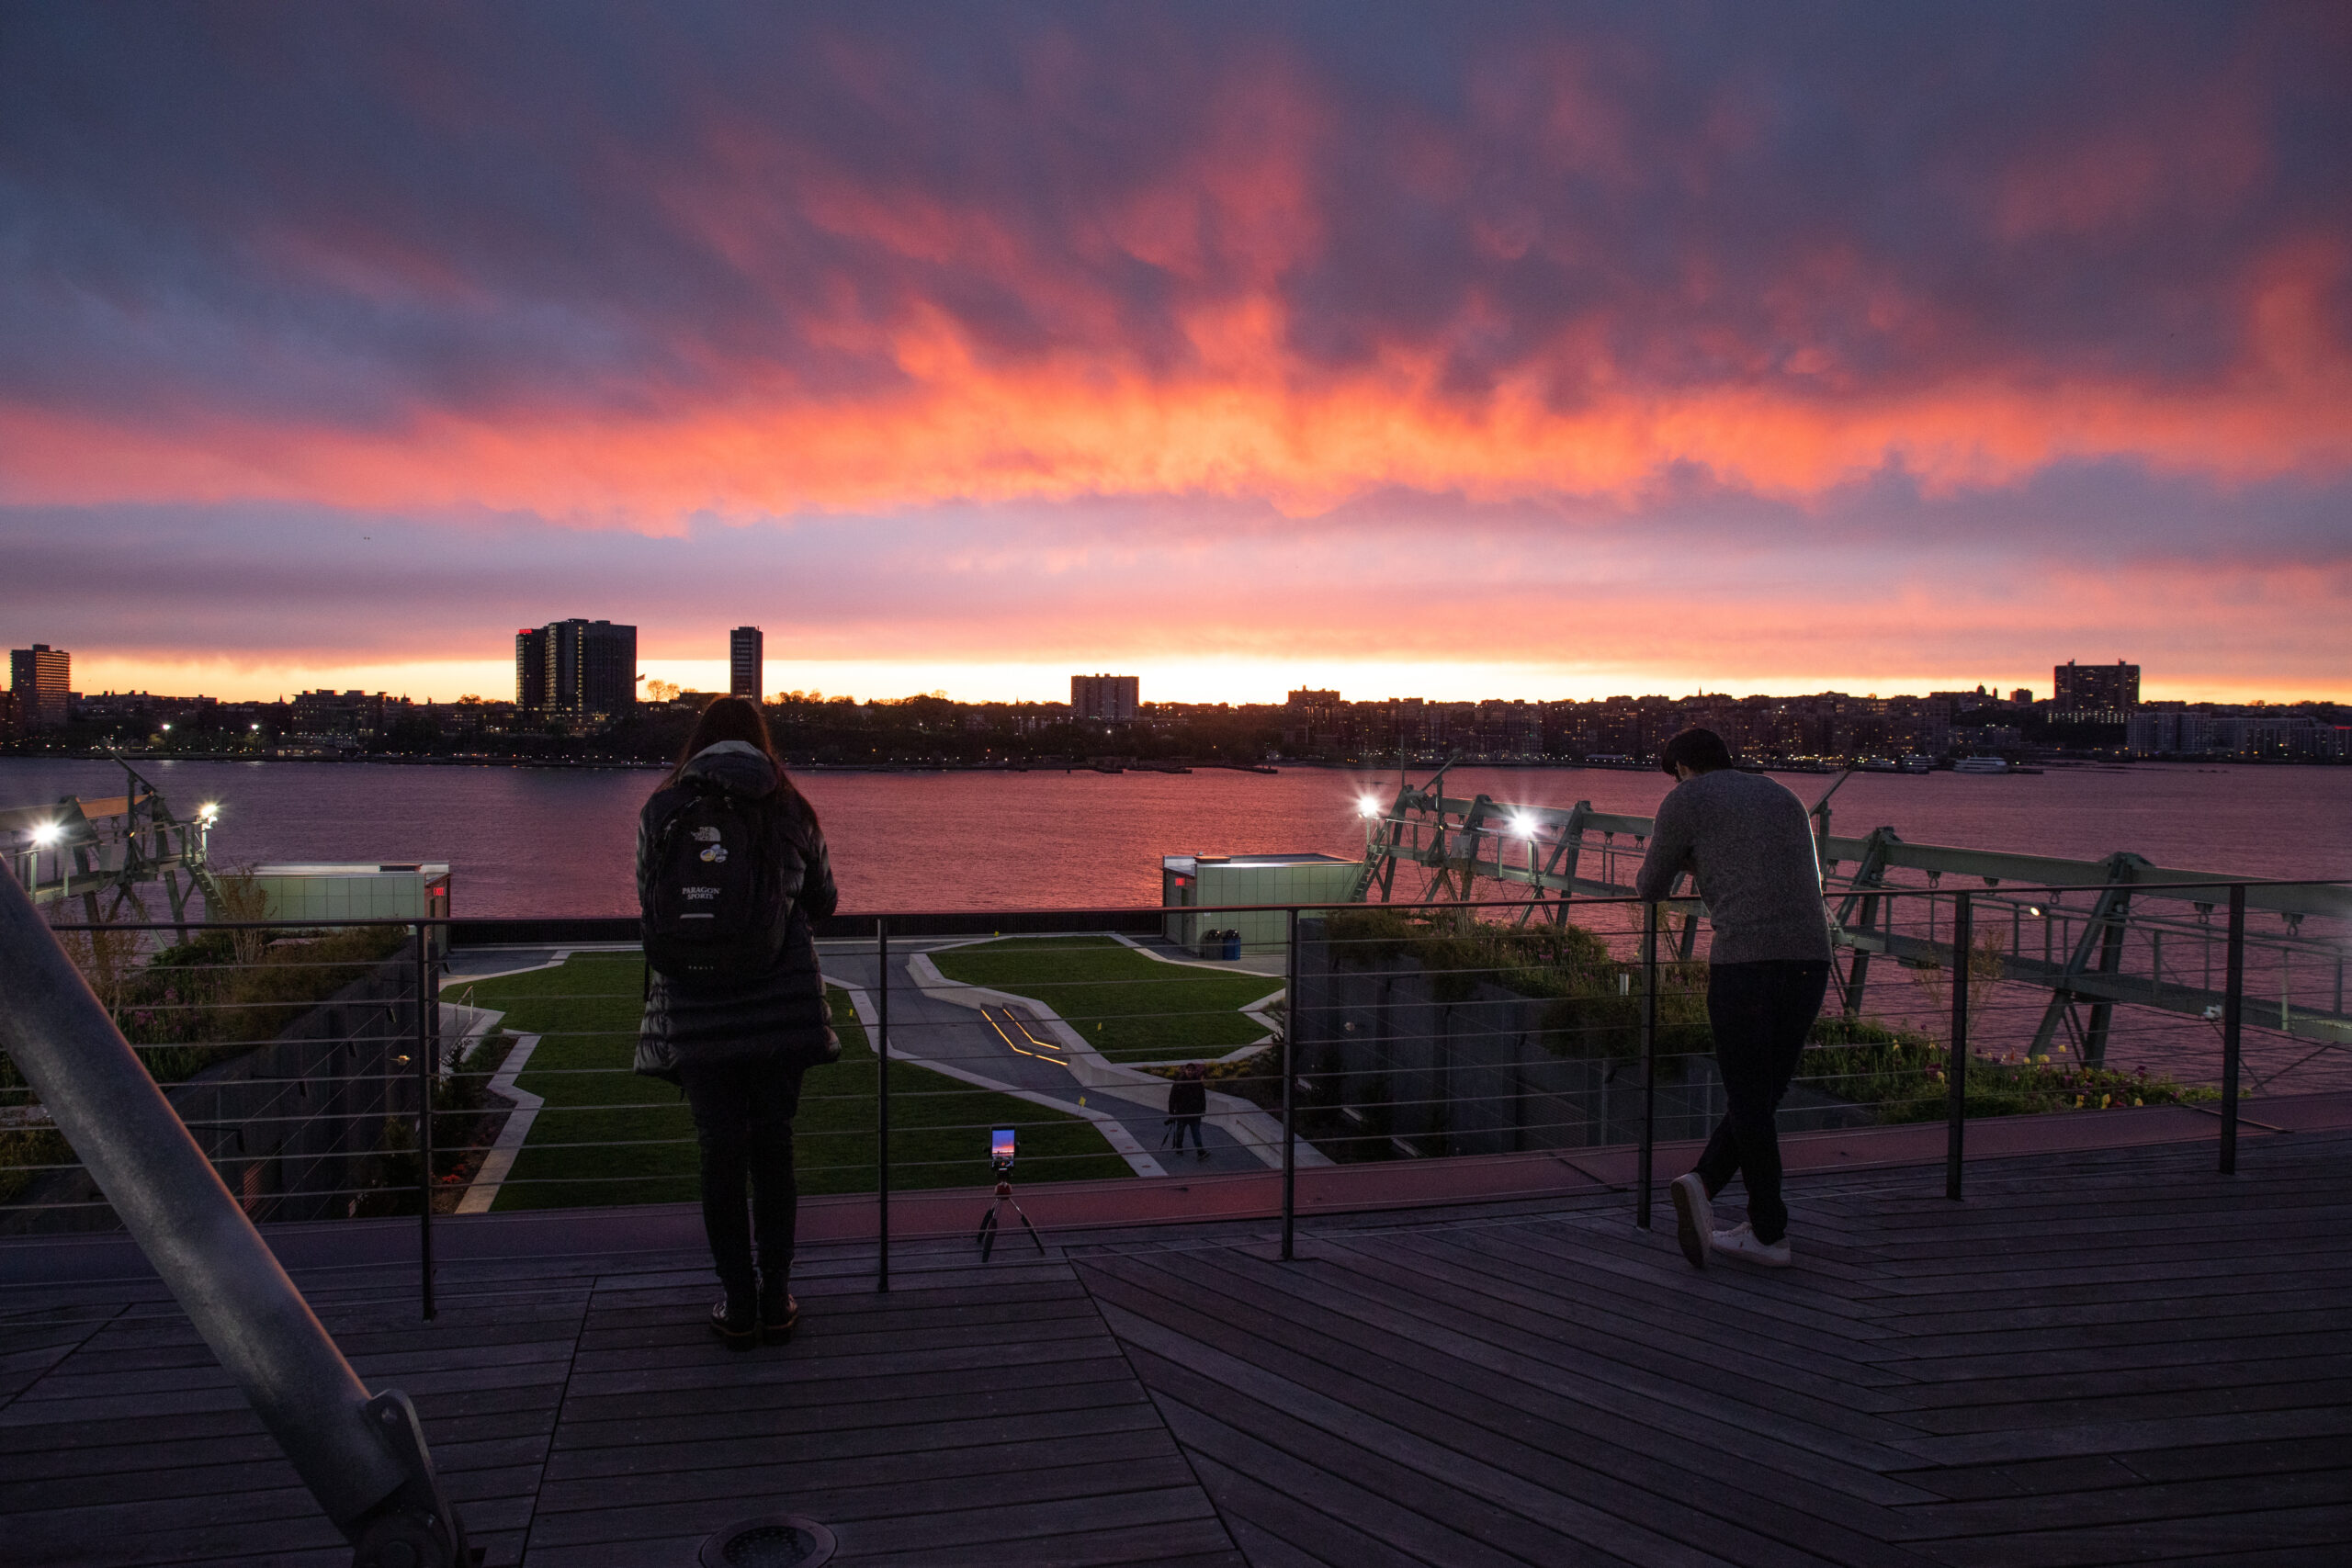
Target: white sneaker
1694,1217
1740,1242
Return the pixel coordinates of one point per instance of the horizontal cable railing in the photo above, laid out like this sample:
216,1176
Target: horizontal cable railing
338,1069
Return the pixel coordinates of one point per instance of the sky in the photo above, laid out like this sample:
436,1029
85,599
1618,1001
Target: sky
1454,351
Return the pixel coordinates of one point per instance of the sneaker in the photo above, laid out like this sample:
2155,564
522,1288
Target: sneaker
732,1319
1694,1217
778,1319
1741,1243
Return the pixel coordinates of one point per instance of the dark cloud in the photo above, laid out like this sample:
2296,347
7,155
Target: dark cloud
348,214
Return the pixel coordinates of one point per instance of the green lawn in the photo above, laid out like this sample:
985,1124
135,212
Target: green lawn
608,1137
1129,1007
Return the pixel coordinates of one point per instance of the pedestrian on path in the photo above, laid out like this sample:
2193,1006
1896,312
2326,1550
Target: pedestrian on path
1188,1101
1749,844
732,872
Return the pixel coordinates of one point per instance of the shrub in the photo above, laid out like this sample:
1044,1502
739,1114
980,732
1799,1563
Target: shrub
1898,1073
1594,1002
190,1006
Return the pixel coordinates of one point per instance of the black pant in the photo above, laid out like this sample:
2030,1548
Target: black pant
743,1114
1188,1124
1761,1013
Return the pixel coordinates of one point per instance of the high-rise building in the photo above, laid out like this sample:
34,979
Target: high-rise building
1116,698
746,662
2096,688
531,669
42,678
583,671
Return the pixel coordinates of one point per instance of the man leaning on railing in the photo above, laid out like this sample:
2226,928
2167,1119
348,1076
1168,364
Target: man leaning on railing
1747,843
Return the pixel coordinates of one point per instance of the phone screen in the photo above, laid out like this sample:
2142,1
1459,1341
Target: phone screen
1001,1146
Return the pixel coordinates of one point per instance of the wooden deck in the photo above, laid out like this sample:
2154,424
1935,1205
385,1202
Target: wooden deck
2103,1356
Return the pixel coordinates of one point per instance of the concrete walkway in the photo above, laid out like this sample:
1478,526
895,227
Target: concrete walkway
924,1027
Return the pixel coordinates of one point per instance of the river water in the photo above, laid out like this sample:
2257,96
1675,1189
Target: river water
549,842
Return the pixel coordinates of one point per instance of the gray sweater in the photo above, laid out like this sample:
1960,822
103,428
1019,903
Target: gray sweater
1749,843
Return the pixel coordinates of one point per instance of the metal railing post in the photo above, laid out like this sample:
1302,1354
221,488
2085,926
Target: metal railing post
2232,1021
365,1460
882,1104
1649,1061
1964,943
1291,1011
427,1072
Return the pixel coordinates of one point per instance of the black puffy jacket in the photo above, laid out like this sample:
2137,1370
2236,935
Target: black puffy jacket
782,1012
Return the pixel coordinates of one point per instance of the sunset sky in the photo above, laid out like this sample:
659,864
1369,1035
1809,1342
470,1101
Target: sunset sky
1448,350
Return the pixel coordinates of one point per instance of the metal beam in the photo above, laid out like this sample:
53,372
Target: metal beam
2127,885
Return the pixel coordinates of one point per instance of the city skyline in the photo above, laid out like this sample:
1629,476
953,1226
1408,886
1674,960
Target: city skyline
1465,353
2073,685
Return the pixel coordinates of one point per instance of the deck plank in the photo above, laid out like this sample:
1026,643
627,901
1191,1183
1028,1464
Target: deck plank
2100,1356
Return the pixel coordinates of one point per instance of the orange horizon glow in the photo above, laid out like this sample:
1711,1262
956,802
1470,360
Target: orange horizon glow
1240,683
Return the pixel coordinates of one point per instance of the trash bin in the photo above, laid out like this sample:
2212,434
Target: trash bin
1232,948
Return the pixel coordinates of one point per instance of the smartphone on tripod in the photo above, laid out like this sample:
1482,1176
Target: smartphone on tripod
1004,1148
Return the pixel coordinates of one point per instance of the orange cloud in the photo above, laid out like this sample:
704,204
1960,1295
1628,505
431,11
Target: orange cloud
1241,418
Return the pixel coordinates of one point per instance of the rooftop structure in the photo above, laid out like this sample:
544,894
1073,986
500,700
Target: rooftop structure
354,891
1207,881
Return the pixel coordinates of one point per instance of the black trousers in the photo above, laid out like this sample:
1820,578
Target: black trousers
1761,1013
1188,1124
743,1114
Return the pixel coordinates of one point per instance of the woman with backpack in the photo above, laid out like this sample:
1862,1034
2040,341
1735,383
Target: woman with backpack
732,872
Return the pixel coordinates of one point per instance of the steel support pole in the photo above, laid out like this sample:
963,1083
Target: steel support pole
363,1460
882,1104
1649,1062
427,1072
1291,1013
1964,943
2233,1022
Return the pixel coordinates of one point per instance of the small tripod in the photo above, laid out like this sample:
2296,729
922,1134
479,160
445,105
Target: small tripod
988,1220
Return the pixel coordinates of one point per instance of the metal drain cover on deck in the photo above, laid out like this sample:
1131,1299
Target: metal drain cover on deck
779,1540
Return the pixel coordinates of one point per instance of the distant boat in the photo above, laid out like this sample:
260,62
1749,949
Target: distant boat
1980,765
1881,765
1915,763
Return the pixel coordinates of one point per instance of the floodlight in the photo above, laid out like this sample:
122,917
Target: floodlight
208,813
1523,825
1368,806
45,834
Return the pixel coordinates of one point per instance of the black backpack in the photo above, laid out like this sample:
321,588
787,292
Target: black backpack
715,908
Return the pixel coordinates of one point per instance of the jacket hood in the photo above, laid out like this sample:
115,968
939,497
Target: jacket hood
736,766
